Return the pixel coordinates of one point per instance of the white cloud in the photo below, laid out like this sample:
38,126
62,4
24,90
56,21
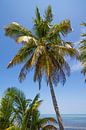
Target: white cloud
76,67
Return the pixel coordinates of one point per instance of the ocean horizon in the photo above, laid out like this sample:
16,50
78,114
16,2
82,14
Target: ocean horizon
71,121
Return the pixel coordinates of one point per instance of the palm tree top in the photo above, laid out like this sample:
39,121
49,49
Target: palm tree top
43,49
42,26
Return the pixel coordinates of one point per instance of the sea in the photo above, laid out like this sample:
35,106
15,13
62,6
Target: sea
71,121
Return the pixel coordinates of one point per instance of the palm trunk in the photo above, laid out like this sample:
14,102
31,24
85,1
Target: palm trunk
56,108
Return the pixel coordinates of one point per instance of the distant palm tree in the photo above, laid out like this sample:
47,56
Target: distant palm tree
44,50
83,52
24,113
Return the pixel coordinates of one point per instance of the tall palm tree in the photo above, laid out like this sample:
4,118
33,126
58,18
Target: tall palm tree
83,52
44,51
23,114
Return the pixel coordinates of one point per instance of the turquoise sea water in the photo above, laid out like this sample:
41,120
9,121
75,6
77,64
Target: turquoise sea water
72,121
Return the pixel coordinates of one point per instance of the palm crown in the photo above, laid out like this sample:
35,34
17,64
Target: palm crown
44,50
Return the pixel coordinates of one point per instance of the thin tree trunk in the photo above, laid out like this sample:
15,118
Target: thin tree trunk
56,108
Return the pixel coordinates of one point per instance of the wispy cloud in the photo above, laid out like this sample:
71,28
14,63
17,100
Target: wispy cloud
76,67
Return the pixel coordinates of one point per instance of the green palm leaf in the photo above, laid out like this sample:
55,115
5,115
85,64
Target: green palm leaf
15,30
48,14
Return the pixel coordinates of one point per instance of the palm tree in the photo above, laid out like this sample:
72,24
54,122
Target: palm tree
12,108
44,51
24,113
83,52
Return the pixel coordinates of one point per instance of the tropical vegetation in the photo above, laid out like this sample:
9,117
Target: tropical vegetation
83,52
19,113
44,50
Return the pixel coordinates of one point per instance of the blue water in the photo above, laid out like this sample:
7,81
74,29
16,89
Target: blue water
72,121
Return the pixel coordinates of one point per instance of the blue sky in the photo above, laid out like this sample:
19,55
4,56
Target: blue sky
72,96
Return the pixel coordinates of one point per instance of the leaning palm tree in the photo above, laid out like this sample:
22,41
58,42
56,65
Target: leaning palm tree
24,113
83,52
44,51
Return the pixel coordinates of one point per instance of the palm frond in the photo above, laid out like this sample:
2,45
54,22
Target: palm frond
83,24
67,50
65,27
12,128
23,54
82,49
83,35
26,68
55,31
6,108
31,113
83,42
31,62
26,39
59,69
39,68
38,17
36,103
48,14
18,97
15,30
41,29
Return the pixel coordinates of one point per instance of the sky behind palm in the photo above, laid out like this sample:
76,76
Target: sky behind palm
72,96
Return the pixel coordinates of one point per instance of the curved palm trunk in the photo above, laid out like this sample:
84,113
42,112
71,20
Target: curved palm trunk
56,108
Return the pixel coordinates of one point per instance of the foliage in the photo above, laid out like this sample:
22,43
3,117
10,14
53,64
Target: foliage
83,51
43,49
19,113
